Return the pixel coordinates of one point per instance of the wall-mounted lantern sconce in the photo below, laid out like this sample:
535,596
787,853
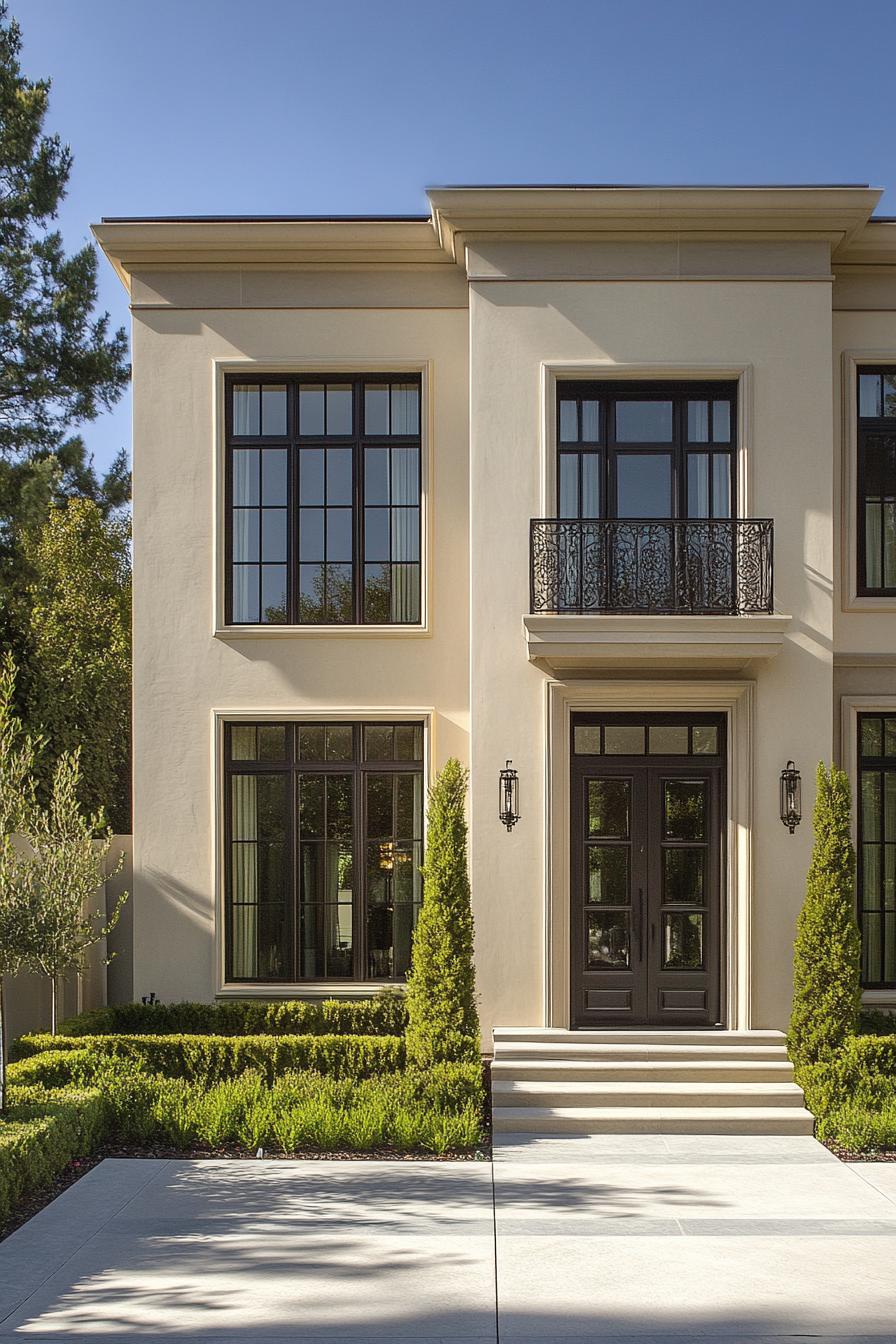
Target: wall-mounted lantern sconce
508,796
791,797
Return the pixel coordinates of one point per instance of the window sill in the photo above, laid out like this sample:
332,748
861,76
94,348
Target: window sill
869,604
330,989
879,998
229,632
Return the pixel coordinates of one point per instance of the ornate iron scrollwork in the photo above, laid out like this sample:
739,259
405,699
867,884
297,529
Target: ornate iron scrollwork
697,566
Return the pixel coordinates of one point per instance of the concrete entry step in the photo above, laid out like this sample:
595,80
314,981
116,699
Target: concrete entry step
566,1094
643,1071
573,1049
653,1119
551,1081
719,1038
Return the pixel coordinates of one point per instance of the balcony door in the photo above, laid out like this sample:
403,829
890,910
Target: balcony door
646,866
644,451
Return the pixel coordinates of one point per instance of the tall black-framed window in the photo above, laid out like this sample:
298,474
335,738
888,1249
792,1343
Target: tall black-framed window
877,849
323,499
323,836
646,450
876,471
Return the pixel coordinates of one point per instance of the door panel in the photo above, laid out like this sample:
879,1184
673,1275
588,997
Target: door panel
646,879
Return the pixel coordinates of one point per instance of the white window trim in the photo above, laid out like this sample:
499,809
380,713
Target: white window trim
553,373
245,367
849,482
734,699
219,717
851,706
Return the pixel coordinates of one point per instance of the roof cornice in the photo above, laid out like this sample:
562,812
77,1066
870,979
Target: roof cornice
462,214
306,244
838,215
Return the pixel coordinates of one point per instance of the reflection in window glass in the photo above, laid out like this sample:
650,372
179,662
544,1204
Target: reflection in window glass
624,740
311,409
608,875
698,421
668,740
870,395
246,409
590,421
586,740
569,421
644,485
721,421
644,421
273,408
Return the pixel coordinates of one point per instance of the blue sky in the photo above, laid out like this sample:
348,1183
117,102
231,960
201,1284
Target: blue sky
289,107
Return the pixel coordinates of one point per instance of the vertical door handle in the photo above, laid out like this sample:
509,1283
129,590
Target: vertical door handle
639,925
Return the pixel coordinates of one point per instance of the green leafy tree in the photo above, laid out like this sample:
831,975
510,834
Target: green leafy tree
69,864
79,628
827,951
443,1023
17,758
60,365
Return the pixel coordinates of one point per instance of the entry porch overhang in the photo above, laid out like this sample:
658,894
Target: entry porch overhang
573,643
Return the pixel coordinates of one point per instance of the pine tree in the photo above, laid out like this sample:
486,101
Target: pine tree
59,364
827,951
442,1020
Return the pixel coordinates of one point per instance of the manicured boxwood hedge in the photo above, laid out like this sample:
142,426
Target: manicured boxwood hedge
853,1095
42,1131
207,1059
384,1015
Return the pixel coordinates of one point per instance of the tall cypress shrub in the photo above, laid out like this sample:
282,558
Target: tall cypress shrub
443,1023
827,951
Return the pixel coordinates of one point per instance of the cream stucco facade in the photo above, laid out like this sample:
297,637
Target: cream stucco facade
496,301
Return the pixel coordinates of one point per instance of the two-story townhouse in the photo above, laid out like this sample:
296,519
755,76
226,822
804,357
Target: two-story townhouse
598,480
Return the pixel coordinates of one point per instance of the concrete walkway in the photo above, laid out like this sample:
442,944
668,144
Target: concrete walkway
641,1238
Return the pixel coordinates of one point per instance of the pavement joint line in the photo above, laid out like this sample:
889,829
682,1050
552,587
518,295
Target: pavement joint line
23,1302
491,1163
862,1177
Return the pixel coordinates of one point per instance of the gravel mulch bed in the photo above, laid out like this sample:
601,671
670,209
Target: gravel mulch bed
846,1156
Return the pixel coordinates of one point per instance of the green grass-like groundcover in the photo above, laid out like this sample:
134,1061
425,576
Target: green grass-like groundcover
315,1091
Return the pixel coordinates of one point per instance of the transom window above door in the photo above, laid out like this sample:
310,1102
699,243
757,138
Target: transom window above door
641,451
323,494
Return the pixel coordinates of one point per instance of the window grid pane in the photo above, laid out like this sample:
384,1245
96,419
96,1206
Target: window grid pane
876,818
299,514
302,892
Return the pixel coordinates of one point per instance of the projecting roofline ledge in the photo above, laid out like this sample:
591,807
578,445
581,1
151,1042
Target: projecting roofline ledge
560,644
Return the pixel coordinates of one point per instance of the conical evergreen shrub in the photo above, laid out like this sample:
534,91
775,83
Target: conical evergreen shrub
827,951
443,1023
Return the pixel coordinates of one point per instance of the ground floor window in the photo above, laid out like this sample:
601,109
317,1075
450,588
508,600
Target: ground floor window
877,849
323,846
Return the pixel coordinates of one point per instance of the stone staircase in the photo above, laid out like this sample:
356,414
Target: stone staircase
550,1081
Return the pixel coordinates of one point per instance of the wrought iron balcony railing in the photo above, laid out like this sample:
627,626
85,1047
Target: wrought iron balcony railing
693,566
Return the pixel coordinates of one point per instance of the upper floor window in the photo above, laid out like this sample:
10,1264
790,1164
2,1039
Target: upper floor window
653,450
877,482
323,500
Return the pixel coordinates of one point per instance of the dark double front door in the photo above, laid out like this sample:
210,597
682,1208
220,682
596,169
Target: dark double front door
646,870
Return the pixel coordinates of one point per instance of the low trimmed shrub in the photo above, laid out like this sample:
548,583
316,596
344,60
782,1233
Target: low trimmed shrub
859,1128
207,1059
384,1015
437,1111
41,1132
876,1022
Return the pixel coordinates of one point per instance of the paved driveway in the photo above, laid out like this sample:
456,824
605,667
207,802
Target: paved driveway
639,1238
